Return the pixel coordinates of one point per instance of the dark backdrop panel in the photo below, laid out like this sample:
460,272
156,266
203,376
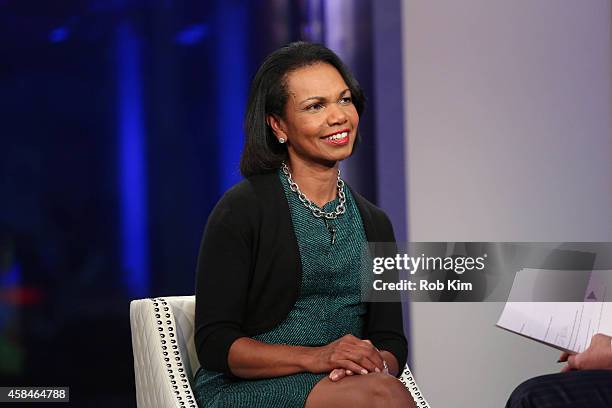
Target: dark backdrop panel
121,128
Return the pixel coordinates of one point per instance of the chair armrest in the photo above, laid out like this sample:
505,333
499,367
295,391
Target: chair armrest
410,383
161,377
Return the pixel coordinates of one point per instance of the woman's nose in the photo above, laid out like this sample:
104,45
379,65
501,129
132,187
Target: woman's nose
336,115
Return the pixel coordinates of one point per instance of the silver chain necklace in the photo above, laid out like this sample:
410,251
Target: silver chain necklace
316,211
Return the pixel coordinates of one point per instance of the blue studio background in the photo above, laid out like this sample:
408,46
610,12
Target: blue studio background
121,127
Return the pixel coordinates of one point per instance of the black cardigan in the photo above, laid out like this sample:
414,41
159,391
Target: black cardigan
249,272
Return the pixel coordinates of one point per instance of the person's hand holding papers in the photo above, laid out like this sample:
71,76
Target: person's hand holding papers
597,357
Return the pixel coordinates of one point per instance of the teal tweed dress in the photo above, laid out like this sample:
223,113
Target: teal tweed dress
328,307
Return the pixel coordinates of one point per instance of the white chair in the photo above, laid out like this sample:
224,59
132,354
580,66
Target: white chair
165,359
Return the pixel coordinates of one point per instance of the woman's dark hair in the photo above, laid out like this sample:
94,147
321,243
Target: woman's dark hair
268,95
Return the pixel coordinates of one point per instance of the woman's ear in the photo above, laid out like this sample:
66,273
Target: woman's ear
277,127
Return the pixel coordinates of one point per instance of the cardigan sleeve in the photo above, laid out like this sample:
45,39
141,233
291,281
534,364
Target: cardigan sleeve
222,280
385,327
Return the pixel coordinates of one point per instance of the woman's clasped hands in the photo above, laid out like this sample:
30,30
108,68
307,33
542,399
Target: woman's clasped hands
347,355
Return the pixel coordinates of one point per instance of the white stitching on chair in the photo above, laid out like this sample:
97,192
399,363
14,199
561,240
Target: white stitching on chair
410,383
177,375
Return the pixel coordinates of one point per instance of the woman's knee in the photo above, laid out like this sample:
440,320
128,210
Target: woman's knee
387,391
362,391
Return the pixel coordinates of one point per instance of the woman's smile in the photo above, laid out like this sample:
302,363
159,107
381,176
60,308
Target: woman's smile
339,138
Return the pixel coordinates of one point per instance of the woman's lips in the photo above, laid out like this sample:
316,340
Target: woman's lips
337,139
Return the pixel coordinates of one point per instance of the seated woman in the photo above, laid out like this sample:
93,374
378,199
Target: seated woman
279,316
585,381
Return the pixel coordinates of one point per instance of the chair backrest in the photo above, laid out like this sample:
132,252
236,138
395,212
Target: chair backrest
165,359
183,308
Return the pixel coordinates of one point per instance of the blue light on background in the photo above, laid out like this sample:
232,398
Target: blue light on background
232,85
11,276
193,34
132,163
58,35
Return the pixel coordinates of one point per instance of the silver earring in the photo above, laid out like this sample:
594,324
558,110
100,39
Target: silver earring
281,140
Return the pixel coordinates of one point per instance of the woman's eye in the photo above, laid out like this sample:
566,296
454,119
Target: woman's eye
346,100
314,107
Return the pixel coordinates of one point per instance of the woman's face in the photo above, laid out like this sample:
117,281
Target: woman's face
320,123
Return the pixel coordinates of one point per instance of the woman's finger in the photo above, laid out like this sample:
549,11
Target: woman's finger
372,355
337,374
361,352
352,366
362,358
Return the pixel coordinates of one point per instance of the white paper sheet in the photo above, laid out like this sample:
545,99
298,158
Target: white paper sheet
567,326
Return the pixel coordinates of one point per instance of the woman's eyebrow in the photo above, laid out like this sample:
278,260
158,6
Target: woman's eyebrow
313,97
322,98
